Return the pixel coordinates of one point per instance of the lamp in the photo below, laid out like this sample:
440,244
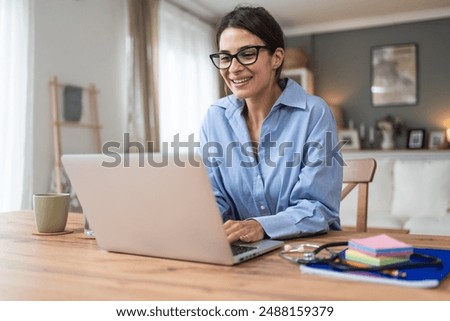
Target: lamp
446,124
448,136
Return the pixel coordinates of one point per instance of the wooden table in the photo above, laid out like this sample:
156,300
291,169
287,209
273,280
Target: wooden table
72,267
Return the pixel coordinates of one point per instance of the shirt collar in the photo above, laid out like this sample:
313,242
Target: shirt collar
293,95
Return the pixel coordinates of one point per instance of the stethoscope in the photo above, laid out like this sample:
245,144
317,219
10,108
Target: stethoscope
308,253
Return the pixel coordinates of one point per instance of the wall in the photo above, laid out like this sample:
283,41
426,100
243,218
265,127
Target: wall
341,66
81,42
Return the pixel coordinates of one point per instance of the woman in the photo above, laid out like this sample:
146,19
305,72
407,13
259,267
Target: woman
265,145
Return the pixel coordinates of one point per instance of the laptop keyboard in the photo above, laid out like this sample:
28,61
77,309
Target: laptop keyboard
238,249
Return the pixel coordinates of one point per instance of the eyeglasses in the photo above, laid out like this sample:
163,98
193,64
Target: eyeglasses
312,253
246,56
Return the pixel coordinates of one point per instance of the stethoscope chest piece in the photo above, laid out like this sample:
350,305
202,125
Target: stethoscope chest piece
305,253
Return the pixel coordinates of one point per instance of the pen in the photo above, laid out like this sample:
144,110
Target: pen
394,273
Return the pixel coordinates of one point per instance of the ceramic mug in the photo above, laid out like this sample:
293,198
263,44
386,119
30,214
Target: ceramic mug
51,211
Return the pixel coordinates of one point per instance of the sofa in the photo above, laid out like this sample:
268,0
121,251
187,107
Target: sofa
407,193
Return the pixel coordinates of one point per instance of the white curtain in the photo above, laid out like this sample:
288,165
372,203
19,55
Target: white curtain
188,82
16,114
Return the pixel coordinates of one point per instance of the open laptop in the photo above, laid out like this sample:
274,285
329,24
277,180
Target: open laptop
155,205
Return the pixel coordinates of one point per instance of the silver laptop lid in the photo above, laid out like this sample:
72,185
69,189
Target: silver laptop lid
150,204
155,205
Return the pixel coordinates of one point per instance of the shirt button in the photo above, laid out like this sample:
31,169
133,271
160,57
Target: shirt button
262,207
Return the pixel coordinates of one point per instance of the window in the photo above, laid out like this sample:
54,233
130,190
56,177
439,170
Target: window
189,83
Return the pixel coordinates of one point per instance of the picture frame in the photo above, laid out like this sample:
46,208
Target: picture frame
436,139
350,137
394,75
416,138
303,76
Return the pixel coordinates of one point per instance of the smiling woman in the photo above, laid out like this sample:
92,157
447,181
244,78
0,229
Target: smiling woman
15,104
270,189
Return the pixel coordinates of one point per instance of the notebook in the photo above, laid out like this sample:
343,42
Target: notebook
422,277
155,205
380,245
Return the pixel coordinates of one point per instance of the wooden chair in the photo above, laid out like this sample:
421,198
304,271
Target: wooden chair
359,172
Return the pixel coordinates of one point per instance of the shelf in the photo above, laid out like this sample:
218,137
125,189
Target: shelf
77,125
419,154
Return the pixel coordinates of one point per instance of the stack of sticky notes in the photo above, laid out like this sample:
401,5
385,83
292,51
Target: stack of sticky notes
379,250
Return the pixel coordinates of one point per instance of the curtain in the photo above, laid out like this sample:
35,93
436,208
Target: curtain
188,81
142,72
16,113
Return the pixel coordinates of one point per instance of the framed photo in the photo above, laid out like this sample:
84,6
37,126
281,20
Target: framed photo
416,138
303,77
350,137
394,75
436,139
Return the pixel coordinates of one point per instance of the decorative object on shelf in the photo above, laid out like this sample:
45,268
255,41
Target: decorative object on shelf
394,75
371,136
350,137
437,140
390,127
362,135
351,124
388,139
362,131
416,138
295,58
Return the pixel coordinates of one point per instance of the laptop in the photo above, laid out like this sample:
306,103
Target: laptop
155,205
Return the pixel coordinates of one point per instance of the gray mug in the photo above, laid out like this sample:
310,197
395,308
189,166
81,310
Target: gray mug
51,211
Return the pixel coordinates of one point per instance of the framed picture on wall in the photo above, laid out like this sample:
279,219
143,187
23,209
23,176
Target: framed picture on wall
394,75
416,138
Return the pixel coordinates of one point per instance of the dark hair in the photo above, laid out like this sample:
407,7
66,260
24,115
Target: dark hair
259,22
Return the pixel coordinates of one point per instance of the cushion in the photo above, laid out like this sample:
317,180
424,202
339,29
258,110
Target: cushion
385,221
421,188
380,190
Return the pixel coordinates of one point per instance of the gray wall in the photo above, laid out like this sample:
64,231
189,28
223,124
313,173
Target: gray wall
340,62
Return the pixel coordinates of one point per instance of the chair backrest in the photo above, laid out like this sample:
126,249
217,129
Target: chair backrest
359,172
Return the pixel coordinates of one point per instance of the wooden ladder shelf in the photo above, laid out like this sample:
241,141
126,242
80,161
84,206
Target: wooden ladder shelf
55,88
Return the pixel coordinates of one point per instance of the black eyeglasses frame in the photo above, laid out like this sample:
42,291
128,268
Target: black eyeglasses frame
236,55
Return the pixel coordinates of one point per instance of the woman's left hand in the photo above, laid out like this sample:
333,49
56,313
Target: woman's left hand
245,231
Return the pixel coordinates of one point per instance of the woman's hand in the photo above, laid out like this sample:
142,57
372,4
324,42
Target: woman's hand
245,231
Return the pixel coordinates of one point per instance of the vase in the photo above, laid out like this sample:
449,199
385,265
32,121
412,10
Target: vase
387,140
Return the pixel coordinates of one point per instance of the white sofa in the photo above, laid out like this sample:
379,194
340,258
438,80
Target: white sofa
406,193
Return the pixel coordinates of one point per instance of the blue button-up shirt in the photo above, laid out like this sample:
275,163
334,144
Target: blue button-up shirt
292,186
